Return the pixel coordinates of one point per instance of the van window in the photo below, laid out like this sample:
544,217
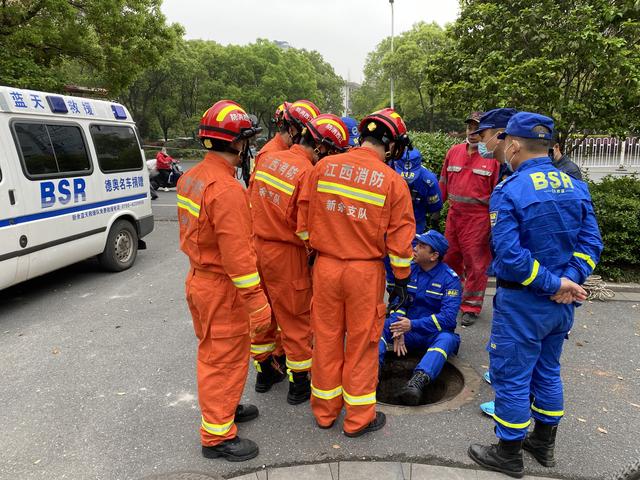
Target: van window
52,149
117,148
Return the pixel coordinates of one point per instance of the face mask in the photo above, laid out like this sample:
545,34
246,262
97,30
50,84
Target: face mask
509,160
482,150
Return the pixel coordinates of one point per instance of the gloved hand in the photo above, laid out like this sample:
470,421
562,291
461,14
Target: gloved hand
260,320
398,295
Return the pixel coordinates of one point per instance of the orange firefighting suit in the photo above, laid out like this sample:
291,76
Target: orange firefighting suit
467,182
222,287
276,144
354,210
282,256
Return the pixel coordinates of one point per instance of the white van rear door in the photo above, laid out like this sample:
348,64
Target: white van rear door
13,231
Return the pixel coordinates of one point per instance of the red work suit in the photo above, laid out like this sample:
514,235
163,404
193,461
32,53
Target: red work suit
467,182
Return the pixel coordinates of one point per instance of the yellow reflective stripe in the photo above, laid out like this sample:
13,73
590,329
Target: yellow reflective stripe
303,235
436,349
189,205
216,428
351,192
435,293
400,311
226,110
324,121
534,273
246,281
275,182
400,261
326,394
262,348
301,365
586,258
435,320
511,425
368,399
549,413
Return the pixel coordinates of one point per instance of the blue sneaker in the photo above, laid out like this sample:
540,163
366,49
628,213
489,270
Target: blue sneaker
488,408
487,377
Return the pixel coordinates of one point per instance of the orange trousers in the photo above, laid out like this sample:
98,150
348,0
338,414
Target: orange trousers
286,279
221,324
347,317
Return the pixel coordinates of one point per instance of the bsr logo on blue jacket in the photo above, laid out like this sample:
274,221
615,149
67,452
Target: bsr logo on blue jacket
62,192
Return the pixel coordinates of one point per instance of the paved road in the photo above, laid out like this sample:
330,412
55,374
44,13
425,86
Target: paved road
98,382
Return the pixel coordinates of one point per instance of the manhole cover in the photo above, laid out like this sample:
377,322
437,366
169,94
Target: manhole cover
455,385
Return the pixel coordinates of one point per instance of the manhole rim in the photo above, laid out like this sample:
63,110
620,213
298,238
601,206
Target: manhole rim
472,382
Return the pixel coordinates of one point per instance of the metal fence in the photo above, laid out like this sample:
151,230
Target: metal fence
605,152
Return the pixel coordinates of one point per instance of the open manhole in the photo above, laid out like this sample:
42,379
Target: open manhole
456,384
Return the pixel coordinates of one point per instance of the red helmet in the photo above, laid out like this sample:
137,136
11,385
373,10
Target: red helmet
279,114
301,112
330,130
393,126
228,121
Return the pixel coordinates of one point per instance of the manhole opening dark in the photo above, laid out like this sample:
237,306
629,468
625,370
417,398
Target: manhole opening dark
397,371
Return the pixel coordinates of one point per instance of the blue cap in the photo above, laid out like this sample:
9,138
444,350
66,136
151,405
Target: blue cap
523,123
352,126
435,240
496,118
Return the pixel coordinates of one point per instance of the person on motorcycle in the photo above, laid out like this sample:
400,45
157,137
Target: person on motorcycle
164,164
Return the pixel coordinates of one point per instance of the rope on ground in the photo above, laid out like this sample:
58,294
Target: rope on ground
597,289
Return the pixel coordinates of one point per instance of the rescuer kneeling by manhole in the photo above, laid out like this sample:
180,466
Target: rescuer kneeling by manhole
397,371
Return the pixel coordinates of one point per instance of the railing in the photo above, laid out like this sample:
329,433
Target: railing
605,152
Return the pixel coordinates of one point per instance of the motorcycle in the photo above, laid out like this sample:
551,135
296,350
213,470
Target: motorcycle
164,179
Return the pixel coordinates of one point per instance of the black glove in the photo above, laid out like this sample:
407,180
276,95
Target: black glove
398,295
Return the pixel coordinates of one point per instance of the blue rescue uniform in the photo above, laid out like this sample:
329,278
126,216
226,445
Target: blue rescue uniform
543,228
435,298
424,187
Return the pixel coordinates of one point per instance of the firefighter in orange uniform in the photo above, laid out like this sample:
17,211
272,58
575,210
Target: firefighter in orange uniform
223,286
353,211
282,256
281,140
266,349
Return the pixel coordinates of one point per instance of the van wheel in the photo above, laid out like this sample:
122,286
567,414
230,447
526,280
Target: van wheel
122,247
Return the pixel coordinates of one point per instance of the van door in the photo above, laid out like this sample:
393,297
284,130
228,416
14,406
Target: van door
13,262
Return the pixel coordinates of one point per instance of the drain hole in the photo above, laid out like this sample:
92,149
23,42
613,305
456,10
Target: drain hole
397,371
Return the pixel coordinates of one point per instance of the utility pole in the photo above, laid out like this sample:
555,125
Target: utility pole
391,2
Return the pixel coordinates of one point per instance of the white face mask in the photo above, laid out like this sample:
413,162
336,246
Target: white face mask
482,148
509,160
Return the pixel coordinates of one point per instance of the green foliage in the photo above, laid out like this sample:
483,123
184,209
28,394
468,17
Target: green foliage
416,75
617,205
45,44
575,60
170,98
433,147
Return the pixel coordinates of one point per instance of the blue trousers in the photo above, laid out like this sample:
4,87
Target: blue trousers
439,347
527,335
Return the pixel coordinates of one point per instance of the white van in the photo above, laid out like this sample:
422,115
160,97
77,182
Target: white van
73,184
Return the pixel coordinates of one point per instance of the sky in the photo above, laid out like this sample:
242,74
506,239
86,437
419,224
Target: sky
343,31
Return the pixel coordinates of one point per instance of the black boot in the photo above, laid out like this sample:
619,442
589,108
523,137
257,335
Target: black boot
268,375
299,388
541,443
412,392
376,424
246,412
235,450
505,457
468,319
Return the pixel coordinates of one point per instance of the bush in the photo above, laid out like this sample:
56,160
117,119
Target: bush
617,205
433,147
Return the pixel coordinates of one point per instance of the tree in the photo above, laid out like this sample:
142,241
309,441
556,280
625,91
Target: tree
575,60
329,83
108,43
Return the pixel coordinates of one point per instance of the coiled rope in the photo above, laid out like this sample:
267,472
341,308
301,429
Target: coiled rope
597,289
